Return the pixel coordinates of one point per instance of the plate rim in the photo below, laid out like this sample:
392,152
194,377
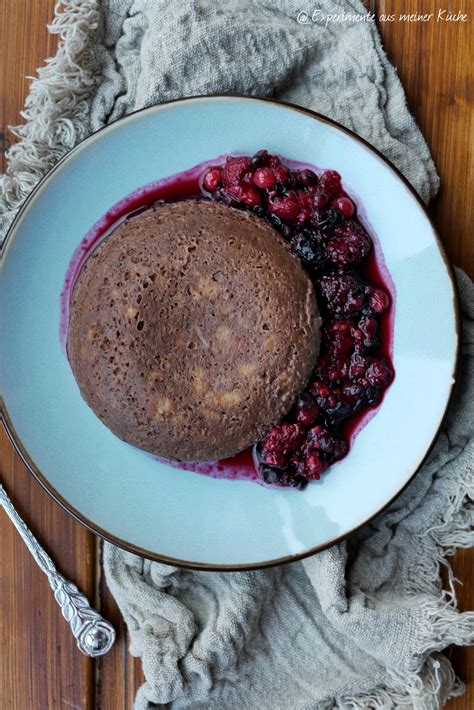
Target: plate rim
130,547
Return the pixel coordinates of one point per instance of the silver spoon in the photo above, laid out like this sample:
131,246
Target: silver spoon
94,635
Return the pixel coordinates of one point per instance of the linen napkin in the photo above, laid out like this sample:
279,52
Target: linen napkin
360,625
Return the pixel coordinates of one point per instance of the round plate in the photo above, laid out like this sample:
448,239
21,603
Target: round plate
181,517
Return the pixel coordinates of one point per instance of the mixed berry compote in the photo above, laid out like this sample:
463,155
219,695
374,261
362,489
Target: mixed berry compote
312,211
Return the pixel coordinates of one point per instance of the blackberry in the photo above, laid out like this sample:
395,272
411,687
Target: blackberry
309,252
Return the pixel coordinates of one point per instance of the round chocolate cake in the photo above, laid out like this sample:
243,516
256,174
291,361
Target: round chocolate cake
192,330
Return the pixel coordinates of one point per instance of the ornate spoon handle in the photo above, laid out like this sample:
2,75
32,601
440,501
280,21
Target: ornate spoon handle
94,635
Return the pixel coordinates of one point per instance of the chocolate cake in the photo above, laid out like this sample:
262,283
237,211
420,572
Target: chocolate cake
192,330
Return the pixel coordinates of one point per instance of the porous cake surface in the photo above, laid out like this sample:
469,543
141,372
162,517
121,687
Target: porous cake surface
192,330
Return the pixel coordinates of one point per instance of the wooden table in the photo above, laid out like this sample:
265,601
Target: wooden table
40,665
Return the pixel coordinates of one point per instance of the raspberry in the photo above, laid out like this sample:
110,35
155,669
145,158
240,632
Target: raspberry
349,244
235,169
280,442
330,181
284,208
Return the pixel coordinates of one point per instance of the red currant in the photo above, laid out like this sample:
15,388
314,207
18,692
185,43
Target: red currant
264,177
344,205
212,179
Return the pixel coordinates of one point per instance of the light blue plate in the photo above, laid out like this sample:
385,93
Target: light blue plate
178,516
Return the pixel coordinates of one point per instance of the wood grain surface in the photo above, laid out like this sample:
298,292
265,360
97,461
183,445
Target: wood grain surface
40,667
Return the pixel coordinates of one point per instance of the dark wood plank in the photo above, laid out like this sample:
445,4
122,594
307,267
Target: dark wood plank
40,664
435,64
24,44
463,658
119,675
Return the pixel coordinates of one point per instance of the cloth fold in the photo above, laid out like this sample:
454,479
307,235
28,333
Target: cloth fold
360,625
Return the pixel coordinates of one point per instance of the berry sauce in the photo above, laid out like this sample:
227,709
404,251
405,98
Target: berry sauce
329,232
